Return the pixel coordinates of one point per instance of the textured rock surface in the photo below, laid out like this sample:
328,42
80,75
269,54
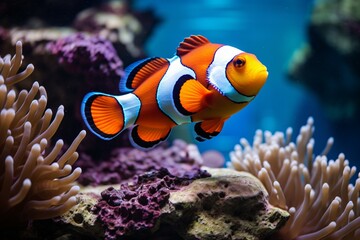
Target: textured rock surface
125,163
81,217
228,205
137,207
92,57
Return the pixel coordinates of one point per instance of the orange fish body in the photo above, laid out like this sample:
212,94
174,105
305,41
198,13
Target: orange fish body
204,83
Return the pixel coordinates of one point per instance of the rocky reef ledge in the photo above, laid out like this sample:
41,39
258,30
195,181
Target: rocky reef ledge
227,205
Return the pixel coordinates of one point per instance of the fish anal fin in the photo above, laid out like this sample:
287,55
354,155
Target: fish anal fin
148,137
103,114
208,128
190,43
138,72
193,96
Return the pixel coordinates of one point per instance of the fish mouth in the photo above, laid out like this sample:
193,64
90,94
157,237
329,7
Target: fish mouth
263,69
263,73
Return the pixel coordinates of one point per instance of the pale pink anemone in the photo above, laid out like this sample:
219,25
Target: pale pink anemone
316,191
36,181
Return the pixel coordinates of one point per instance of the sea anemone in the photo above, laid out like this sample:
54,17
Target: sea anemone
316,191
36,182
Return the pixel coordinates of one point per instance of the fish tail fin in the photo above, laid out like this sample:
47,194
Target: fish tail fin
107,115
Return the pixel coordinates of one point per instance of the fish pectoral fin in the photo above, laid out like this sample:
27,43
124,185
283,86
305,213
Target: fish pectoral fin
193,96
138,72
208,129
103,114
147,137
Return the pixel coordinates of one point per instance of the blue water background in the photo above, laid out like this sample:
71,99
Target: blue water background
272,30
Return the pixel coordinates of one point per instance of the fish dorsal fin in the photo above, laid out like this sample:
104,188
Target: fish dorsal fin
190,43
139,71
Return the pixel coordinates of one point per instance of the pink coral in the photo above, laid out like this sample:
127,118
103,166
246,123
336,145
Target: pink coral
91,56
136,206
125,163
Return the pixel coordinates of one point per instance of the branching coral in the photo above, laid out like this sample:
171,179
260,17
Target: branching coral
316,191
34,183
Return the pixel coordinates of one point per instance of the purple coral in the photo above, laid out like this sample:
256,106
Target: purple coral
137,206
125,163
91,56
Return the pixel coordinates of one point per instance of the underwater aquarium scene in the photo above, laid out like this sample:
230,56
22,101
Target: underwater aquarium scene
180,120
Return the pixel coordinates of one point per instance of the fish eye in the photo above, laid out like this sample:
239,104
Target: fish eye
239,62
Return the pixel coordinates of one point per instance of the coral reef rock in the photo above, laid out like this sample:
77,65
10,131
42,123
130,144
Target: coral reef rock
228,205
125,163
81,217
117,21
136,207
90,56
329,63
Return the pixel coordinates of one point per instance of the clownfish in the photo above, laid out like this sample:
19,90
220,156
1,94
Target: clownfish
204,83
